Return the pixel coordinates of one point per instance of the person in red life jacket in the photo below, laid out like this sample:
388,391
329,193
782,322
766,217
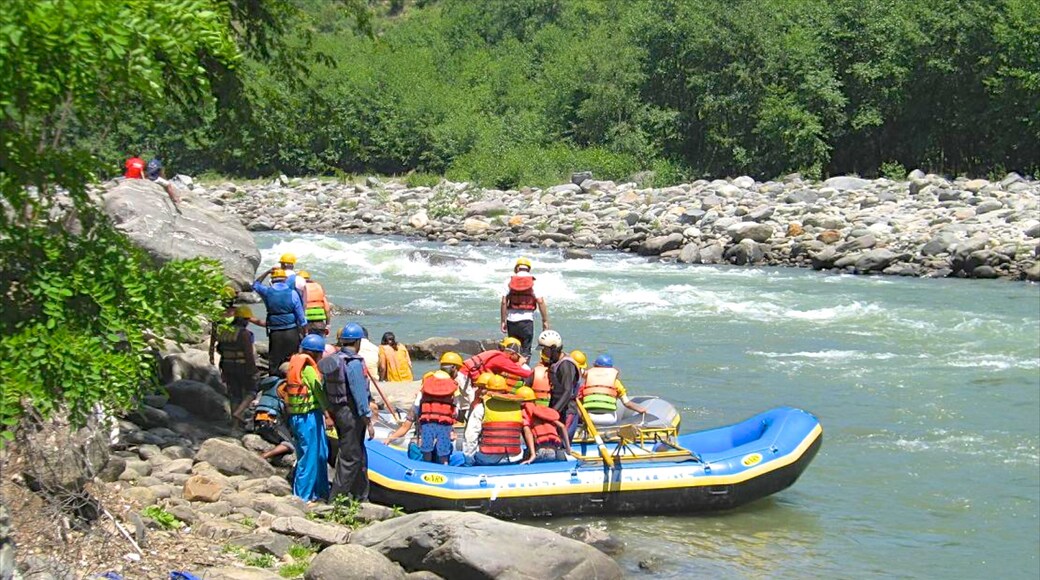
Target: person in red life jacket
286,320
437,410
518,306
542,425
602,391
505,361
346,387
305,402
134,168
315,304
564,375
495,427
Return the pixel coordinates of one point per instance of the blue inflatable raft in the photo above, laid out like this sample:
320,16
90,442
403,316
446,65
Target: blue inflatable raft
654,471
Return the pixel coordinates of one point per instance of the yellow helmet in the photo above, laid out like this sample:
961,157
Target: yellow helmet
498,384
451,358
483,379
277,273
304,274
522,263
510,343
244,312
580,358
228,292
288,258
525,393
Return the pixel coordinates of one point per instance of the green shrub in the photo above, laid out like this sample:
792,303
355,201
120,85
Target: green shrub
294,570
163,518
893,170
538,166
419,179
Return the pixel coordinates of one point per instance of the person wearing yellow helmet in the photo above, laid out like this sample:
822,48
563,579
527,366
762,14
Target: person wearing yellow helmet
495,427
516,311
315,304
286,320
234,342
543,430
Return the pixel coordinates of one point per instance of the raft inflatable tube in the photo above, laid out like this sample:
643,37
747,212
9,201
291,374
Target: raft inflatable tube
712,470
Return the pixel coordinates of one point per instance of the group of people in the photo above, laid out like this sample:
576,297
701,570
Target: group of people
136,168
317,401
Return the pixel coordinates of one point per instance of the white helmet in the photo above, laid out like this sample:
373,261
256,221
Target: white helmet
550,338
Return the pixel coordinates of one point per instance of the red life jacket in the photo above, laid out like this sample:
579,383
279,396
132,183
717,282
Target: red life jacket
438,399
521,293
477,364
134,168
542,425
503,426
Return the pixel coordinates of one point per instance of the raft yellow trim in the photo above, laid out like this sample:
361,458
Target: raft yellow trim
605,486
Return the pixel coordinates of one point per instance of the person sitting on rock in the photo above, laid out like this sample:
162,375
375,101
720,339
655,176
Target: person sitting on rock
518,305
394,363
155,172
602,390
270,420
495,427
543,429
286,320
305,402
238,371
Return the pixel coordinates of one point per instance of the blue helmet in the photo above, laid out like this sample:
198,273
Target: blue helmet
604,360
352,331
313,343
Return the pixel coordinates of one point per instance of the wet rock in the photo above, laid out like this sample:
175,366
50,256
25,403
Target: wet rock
457,545
660,244
576,254
363,564
432,348
201,400
231,459
875,260
690,254
744,253
595,537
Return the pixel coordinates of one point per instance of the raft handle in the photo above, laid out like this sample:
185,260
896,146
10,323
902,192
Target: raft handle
409,472
719,490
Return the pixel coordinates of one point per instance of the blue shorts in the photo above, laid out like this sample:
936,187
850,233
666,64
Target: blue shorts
436,435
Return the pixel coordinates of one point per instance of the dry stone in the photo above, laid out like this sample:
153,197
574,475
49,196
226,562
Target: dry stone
231,459
202,488
363,564
327,534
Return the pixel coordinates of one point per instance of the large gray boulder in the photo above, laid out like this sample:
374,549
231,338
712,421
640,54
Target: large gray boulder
200,399
142,210
472,545
191,364
357,562
230,459
433,347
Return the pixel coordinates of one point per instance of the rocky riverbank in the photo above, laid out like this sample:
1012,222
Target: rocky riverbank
926,226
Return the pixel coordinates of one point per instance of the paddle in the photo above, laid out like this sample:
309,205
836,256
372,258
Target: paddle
607,458
385,400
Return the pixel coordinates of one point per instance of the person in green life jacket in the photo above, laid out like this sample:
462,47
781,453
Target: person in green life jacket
315,305
304,397
602,391
286,321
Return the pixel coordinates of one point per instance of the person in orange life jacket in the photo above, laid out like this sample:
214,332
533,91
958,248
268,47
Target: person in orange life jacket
563,372
238,371
602,390
542,425
518,305
346,387
394,363
286,320
495,427
287,262
315,305
505,361
305,402
437,410
410,419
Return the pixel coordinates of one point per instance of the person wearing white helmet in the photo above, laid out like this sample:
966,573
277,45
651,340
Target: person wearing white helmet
564,374
518,305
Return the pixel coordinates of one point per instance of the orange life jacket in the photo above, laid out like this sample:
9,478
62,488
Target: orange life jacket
438,399
543,427
503,426
540,385
294,391
521,293
599,395
314,309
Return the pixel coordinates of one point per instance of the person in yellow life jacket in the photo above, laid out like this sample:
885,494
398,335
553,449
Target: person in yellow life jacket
394,363
305,403
519,302
315,304
602,391
495,427
543,430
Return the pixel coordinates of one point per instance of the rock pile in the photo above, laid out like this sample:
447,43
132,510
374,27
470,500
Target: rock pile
926,226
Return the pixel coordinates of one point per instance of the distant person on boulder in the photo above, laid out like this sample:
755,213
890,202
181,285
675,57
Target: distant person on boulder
315,304
286,321
602,390
134,168
518,305
305,401
234,342
347,390
155,172
394,363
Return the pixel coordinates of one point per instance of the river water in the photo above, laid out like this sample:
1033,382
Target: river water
928,391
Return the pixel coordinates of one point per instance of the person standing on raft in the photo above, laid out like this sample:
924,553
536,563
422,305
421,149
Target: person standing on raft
518,305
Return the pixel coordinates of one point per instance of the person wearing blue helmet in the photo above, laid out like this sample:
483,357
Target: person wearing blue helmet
601,392
346,386
305,403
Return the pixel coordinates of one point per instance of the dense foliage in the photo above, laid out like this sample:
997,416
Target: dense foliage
522,91
78,298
